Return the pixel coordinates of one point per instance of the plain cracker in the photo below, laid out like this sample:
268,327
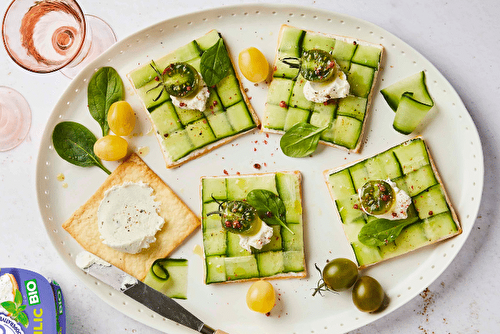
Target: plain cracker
180,221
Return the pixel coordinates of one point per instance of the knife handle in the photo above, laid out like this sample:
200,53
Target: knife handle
219,332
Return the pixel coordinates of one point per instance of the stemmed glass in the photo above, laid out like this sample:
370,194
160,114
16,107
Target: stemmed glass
44,36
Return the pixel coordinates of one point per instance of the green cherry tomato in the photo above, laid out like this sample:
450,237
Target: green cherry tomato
340,274
377,197
367,294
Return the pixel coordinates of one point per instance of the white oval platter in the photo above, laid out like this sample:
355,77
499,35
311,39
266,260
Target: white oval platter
448,129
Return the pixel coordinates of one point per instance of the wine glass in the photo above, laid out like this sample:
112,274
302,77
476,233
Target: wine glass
15,118
44,36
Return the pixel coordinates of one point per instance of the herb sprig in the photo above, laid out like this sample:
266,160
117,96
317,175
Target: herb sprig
269,206
16,309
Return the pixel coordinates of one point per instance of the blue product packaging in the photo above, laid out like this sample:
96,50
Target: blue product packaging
30,304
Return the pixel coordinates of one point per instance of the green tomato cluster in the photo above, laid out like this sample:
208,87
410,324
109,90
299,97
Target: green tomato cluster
341,274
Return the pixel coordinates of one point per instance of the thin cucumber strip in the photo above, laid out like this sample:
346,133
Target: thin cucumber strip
415,85
169,276
409,114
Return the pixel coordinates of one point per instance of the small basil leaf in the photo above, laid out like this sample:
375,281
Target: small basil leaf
215,63
9,306
18,298
75,144
269,206
301,140
105,88
380,232
23,319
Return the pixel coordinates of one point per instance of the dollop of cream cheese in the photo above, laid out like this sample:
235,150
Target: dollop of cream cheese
259,239
198,101
6,291
399,209
128,217
335,88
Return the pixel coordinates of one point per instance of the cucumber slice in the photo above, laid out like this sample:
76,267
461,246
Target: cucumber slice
270,263
430,202
390,164
341,184
291,40
366,254
367,55
242,267
280,91
297,99
294,116
207,41
412,155
276,243
239,117
315,41
149,94
177,144
414,84
213,187
346,131
165,119
293,261
200,133
282,70
343,50
420,180
359,175
239,187
275,117
288,186
215,269
233,246
220,125
183,54
212,222
293,242
375,170
187,116
360,79
169,276
214,105
439,226
409,114
349,209
353,106
142,75
229,91
215,241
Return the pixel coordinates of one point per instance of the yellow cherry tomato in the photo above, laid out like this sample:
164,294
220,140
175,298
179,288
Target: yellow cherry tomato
261,297
253,65
121,118
111,148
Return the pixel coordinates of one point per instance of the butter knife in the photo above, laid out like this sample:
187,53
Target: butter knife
144,294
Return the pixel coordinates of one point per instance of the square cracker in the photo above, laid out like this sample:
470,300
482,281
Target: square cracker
180,221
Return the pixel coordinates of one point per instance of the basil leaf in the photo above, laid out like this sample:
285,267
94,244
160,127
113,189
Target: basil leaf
9,306
269,207
105,88
75,144
215,63
382,231
301,140
18,298
23,319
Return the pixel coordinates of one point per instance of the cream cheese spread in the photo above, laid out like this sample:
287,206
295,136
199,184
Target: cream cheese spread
335,88
198,101
399,209
128,217
6,291
259,239
85,259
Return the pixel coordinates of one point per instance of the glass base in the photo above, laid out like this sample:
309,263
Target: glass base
15,118
102,38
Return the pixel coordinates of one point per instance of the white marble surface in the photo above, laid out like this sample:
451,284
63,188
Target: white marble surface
461,38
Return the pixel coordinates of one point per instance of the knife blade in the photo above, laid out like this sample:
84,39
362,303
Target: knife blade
144,294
